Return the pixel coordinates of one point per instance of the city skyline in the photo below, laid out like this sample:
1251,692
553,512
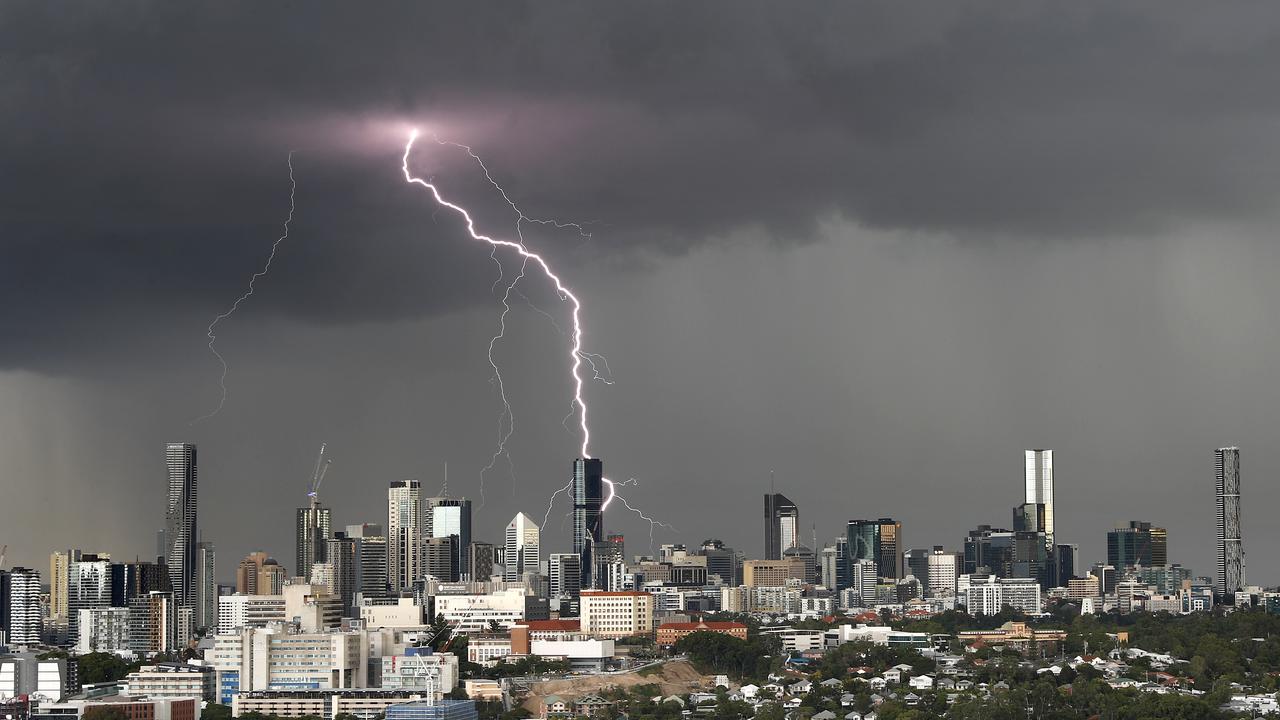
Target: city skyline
884,281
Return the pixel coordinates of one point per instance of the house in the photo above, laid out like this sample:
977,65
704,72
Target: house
824,715
592,706
921,682
699,698
800,688
892,675
848,699
791,703
945,684
554,706
877,683
855,715
911,699
831,683
749,691
903,668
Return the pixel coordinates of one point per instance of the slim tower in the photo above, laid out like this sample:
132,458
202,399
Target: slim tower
404,533
781,525
522,553
1039,477
180,522
588,516
1230,543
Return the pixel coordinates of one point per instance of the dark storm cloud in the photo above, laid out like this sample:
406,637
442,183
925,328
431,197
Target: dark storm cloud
143,144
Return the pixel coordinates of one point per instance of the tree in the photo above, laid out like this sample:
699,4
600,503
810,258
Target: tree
214,711
104,712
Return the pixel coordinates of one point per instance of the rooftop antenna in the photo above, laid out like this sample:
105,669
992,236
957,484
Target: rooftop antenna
772,487
444,489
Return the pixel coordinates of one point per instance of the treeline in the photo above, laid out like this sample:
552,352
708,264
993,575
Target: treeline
749,660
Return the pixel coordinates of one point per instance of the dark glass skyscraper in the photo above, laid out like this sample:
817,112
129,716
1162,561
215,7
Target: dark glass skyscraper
879,541
180,522
1138,544
781,525
588,518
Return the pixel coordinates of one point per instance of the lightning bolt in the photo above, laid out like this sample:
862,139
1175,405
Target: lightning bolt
577,356
506,418
575,352
210,331
613,492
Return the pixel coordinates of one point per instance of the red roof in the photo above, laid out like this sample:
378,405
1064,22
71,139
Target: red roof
553,625
703,626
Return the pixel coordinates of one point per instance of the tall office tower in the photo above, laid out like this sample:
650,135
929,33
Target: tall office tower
206,607
344,566
917,562
20,612
1039,467
371,560
879,541
312,529
607,553
153,624
842,563
721,560
943,572
1030,517
88,588
1066,562
180,526
781,525
827,567
588,518
1137,544
565,575
481,557
446,517
404,533
1230,543
439,558
59,570
803,555
522,553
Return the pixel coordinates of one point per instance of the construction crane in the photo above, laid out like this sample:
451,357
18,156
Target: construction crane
317,475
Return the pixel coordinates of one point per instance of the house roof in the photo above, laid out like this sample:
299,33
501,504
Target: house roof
702,625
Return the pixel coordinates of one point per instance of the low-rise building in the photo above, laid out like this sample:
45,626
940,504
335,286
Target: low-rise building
172,680
1014,634
420,669
365,704
670,633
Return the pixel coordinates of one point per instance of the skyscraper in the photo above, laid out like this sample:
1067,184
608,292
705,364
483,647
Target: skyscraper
180,522
522,553
312,530
781,525
344,563
404,533
480,560
879,541
588,517
371,559
1039,477
1230,542
88,588
206,600
447,517
20,614
1138,544
565,575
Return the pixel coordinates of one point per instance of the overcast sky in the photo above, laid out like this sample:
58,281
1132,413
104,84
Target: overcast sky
879,249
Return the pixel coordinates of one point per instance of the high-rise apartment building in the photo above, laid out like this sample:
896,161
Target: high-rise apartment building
781,525
180,527
258,574
1039,486
588,513
137,577
1138,544
88,588
943,570
481,557
522,554
59,571
1230,542
313,527
371,554
20,612
344,565
721,560
206,600
404,533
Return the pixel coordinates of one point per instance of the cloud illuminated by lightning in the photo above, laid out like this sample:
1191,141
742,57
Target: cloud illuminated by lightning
210,331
